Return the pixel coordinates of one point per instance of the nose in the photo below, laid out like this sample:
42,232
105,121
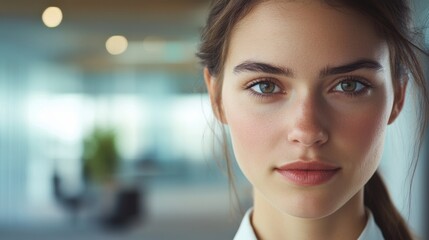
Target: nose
308,128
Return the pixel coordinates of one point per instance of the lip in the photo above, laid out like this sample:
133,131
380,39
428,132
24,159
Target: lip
308,173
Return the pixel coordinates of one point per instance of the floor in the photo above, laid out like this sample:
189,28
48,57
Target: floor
174,212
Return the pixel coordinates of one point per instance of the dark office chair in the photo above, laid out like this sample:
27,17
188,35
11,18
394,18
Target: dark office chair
126,210
72,204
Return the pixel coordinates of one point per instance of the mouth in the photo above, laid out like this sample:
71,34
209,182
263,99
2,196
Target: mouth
308,173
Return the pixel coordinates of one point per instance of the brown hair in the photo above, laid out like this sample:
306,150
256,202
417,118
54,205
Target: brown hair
391,19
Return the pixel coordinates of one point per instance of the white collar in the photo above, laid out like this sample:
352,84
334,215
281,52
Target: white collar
370,232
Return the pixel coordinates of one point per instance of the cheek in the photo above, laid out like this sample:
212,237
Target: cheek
253,136
360,139
250,135
358,130
361,132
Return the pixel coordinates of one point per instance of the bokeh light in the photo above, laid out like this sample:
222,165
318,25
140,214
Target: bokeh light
52,17
116,45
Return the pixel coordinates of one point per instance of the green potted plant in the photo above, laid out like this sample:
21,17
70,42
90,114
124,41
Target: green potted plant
100,156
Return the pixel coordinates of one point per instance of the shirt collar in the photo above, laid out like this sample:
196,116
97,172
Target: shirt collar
370,232
245,231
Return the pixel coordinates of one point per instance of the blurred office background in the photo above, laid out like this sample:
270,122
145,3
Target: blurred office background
110,138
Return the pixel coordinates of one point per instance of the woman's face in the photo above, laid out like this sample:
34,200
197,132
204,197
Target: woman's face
307,84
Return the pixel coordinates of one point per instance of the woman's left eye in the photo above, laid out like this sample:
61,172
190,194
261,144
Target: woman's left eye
351,86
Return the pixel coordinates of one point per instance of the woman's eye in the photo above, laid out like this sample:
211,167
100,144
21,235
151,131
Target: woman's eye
265,87
350,86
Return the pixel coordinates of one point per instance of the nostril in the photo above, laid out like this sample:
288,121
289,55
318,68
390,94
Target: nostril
308,138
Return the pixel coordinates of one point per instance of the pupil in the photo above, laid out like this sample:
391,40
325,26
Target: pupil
267,87
348,86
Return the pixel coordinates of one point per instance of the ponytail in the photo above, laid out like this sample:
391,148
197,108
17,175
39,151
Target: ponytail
387,217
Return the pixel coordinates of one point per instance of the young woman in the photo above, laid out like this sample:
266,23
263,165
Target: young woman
307,89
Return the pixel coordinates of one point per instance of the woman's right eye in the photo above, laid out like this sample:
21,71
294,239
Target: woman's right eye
265,88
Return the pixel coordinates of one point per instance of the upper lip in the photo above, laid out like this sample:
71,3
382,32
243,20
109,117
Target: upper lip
313,165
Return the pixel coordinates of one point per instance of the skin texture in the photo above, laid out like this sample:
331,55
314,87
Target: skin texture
308,115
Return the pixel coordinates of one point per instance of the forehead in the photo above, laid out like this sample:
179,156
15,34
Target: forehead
304,32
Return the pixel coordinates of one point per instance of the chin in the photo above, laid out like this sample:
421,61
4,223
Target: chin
311,207
310,214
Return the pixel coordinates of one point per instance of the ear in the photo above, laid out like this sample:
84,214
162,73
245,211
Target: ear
398,101
212,89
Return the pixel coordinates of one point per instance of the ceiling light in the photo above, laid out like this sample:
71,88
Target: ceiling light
52,17
116,44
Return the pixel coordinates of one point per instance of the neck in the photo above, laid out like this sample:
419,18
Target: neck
345,223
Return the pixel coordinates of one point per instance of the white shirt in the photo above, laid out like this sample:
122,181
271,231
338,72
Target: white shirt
370,232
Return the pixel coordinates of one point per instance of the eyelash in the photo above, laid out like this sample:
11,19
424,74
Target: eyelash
366,87
261,95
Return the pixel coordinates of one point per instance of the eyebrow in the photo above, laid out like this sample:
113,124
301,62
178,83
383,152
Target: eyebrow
252,66
350,67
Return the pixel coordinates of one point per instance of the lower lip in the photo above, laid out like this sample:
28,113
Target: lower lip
308,177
